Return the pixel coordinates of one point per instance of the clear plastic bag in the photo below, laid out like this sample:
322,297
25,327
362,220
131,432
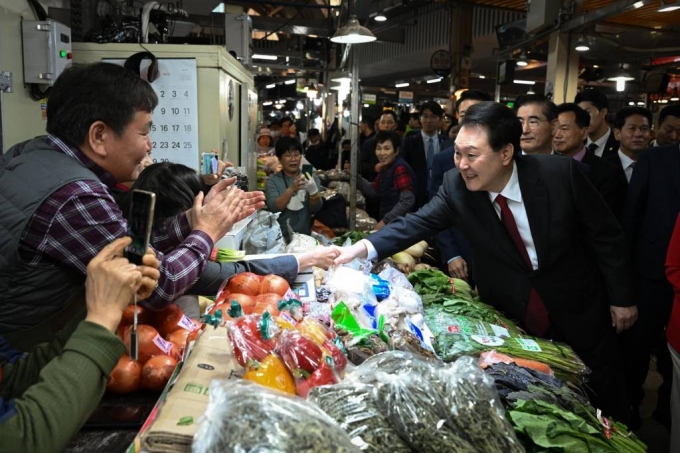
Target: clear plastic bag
243,417
264,234
352,406
471,396
395,363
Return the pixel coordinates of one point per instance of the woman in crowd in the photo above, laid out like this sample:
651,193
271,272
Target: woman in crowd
673,332
176,187
395,182
291,192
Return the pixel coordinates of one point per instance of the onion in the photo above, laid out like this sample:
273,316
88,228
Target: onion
179,337
274,284
244,283
125,377
246,302
267,302
129,313
148,341
157,371
169,319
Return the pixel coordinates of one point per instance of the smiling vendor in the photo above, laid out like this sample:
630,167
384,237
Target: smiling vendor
394,186
291,192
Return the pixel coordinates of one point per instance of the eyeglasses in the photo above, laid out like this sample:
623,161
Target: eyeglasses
429,117
291,154
533,122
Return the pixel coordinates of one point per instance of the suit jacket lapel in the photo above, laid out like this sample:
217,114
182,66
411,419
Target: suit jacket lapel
535,199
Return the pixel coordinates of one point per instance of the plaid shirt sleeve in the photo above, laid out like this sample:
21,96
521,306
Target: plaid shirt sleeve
402,180
80,218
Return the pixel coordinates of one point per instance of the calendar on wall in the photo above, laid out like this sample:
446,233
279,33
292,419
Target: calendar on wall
174,134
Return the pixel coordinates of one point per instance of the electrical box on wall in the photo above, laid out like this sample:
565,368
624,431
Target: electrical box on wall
238,36
541,14
47,50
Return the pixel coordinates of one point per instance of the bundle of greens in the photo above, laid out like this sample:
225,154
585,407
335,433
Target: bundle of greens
475,309
432,285
456,336
229,255
353,236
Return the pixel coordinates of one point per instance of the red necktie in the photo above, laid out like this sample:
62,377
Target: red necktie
536,320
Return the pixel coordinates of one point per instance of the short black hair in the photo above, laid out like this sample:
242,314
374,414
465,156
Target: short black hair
285,144
384,136
175,186
501,125
368,121
432,106
104,92
473,95
669,110
582,118
595,97
346,142
287,119
313,133
390,112
275,122
548,107
626,112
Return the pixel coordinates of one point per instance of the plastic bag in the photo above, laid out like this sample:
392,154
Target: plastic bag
475,407
264,234
352,406
395,363
243,417
252,337
395,277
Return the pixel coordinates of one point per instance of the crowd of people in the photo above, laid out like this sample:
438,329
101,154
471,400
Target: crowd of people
565,217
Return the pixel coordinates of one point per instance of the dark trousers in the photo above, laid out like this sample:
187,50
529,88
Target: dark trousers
605,387
655,300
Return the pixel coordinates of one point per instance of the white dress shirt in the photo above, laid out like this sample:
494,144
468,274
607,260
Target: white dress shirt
601,142
426,142
628,164
513,194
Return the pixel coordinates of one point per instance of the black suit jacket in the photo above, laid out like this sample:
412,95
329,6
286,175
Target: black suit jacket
578,242
612,145
652,207
606,178
413,152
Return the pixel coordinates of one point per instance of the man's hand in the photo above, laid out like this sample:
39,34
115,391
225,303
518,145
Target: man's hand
250,202
111,282
218,188
458,268
218,215
379,225
320,256
150,274
347,254
623,318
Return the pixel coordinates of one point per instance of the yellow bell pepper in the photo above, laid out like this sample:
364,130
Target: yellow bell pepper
271,372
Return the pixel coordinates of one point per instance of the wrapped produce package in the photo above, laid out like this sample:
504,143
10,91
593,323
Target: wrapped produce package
247,418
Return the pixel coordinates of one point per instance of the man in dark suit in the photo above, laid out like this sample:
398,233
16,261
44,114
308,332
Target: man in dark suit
601,140
418,150
534,223
454,249
570,132
652,206
632,128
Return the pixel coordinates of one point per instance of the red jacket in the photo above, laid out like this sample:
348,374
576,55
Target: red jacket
673,275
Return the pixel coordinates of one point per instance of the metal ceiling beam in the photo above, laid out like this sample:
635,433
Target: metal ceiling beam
298,27
600,15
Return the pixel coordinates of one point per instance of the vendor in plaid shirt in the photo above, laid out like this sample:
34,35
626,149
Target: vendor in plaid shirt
57,213
395,182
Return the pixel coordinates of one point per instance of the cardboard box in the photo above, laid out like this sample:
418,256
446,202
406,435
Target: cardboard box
234,238
172,425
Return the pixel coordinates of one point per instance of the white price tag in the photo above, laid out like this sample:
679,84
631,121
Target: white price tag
500,331
487,340
528,345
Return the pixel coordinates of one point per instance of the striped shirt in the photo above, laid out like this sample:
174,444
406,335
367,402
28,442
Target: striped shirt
79,219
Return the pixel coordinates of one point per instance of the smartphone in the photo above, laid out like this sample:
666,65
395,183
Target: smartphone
209,166
139,224
307,168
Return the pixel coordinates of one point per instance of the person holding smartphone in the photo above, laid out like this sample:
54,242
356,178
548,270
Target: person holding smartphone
47,394
292,192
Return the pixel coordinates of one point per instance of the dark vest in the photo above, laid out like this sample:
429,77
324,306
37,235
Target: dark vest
33,295
389,196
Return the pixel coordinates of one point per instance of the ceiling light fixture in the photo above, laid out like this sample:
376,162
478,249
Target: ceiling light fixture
267,103
582,44
668,6
522,60
674,96
311,91
640,103
637,5
438,79
259,56
353,33
621,78
278,106
380,17
401,85
482,76
524,82
289,82
270,86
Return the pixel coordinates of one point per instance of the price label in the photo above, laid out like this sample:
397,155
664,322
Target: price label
187,323
500,331
528,345
164,345
487,340
174,133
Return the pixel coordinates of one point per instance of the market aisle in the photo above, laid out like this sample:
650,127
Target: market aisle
652,433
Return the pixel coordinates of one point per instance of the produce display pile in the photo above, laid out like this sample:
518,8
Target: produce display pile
393,363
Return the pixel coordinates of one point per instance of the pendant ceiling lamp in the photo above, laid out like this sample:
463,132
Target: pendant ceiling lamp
352,32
